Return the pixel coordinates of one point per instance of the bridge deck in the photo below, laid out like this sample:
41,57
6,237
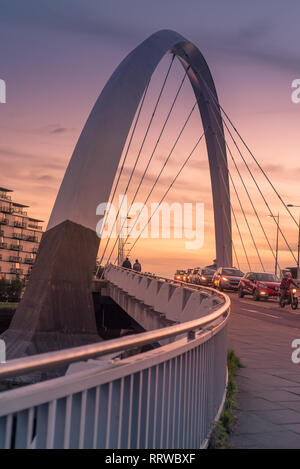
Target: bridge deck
269,384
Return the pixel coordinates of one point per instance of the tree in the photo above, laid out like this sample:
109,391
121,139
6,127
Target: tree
14,290
3,289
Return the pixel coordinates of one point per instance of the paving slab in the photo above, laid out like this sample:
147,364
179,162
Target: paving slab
268,413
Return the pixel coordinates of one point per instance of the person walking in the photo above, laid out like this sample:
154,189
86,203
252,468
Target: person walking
137,266
127,264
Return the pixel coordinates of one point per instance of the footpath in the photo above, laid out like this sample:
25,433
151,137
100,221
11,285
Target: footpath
268,414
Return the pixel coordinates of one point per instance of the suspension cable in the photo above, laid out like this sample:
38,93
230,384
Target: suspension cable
168,190
164,165
165,194
265,201
152,154
139,152
244,185
234,186
249,150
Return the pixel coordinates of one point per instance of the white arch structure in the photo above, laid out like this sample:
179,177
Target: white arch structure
91,171
57,300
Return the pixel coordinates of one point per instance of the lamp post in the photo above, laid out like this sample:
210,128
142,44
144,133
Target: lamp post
121,242
277,237
297,206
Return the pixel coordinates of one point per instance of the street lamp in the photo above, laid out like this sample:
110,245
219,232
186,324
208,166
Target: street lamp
297,206
277,236
121,242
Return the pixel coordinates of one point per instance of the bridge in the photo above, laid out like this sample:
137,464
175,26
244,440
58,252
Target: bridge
167,397
164,385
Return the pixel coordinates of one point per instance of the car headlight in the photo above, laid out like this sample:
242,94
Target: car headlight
225,279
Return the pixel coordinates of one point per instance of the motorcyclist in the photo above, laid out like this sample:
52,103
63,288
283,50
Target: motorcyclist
286,283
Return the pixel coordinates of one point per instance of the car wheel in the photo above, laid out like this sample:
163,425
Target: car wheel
282,302
240,293
256,295
295,303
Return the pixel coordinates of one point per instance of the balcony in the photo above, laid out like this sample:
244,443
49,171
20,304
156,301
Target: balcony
5,209
34,250
32,239
19,224
16,247
3,245
34,227
4,196
19,211
3,221
13,270
17,235
15,259
29,260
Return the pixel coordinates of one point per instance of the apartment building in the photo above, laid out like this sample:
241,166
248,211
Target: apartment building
20,236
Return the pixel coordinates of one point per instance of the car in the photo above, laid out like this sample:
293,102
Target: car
180,275
189,275
195,275
259,285
227,278
206,276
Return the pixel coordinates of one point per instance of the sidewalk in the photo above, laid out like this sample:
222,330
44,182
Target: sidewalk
269,386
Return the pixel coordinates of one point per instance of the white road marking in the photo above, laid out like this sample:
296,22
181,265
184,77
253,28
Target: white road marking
259,312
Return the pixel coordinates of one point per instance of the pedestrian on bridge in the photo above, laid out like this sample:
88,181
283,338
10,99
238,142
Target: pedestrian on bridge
127,264
137,266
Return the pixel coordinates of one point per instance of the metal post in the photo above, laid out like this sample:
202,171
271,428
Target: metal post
276,261
298,247
277,238
297,206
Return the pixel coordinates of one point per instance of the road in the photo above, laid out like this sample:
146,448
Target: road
268,311
268,398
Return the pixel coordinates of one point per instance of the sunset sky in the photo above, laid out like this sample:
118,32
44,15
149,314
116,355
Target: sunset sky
57,55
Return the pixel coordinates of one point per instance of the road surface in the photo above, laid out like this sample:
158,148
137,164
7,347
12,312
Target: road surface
268,310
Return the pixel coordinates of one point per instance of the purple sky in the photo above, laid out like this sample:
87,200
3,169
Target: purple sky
57,55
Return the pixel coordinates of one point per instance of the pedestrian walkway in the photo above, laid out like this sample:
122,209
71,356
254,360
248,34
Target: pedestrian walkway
268,414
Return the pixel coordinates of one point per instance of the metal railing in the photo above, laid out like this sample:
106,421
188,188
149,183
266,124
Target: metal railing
35,227
5,209
167,397
19,224
16,247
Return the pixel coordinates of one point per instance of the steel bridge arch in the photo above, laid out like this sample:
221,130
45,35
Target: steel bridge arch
91,170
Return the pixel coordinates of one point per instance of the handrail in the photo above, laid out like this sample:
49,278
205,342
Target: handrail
191,286
64,357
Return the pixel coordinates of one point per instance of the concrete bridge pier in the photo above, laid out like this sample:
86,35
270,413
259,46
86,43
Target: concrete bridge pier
57,310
